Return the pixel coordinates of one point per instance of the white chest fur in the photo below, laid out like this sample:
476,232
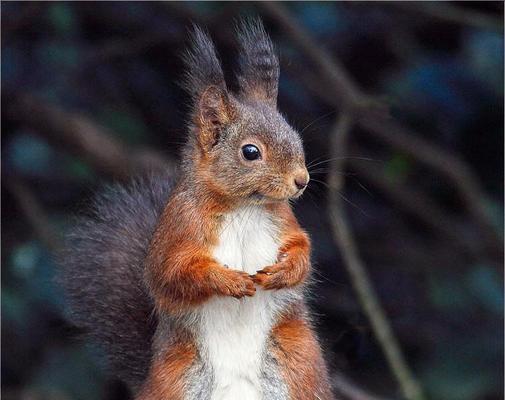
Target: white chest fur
234,332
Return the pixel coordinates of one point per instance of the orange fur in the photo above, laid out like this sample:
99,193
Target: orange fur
293,264
180,269
166,376
299,357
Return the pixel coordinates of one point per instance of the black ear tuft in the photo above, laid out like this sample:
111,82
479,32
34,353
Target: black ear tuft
205,82
259,67
203,68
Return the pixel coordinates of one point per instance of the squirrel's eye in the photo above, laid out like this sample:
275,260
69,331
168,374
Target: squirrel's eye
251,152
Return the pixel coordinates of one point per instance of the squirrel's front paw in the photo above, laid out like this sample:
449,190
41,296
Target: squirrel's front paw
285,273
236,284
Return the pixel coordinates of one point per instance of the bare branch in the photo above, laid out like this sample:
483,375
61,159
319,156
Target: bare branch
341,81
446,163
419,205
370,116
355,267
82,137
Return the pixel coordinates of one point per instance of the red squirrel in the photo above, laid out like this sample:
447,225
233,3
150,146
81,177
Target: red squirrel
195,288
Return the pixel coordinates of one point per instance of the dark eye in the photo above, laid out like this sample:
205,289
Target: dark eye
251,152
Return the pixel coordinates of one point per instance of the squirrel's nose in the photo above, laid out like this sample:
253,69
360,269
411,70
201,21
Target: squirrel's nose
300,183
302,180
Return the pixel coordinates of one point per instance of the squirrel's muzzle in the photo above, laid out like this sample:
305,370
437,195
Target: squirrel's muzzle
300,181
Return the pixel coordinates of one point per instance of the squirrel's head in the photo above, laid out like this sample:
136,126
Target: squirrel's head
240,145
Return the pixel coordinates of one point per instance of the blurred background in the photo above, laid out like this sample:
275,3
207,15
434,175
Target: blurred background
90,95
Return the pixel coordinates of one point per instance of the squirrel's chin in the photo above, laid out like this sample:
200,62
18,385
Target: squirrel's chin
296,195
260,198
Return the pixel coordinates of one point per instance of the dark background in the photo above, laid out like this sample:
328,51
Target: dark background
89,89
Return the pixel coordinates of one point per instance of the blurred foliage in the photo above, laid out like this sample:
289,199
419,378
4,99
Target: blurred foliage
442,78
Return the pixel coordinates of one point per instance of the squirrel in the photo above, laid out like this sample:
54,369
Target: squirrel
194,287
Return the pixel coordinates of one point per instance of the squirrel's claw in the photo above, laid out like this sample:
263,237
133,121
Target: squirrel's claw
280,275
237,284
271,277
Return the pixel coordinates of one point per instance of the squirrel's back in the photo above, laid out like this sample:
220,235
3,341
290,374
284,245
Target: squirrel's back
103,267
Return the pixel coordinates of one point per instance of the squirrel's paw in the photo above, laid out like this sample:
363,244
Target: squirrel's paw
236,284
283,274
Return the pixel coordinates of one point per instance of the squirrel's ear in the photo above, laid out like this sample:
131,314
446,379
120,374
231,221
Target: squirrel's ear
206,85
214,112
259,67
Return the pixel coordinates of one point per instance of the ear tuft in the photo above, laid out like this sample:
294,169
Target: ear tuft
259,66
203,68
204,81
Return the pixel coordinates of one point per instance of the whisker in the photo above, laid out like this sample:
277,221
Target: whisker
319,170
313,161
327,170
362,187
343,197
352,204
312,200
318,119
344,158
323,183
316,189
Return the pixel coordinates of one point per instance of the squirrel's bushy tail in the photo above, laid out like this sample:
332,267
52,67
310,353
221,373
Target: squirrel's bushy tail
102,273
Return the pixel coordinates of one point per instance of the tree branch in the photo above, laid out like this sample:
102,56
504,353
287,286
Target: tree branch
355,267
370,115
419,205
446,163
82,137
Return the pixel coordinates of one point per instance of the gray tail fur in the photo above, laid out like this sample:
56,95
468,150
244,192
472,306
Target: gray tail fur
102,273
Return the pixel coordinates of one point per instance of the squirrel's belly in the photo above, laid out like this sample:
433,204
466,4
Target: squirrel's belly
234,332
233,338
